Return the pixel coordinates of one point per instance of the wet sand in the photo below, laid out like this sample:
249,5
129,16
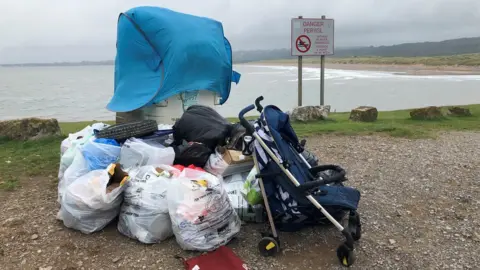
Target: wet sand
420,70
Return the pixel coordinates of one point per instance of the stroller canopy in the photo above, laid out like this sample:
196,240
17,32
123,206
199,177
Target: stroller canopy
161,53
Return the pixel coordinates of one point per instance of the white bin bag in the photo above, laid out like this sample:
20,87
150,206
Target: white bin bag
87,205
202,216
144,215
137,153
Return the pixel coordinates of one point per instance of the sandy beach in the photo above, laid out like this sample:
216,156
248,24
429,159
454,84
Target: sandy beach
420,70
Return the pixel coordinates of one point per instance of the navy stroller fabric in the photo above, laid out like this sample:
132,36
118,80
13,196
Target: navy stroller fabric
291,207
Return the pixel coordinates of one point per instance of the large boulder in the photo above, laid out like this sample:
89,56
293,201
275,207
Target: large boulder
310,113
459,111
427,113
364,114
29,128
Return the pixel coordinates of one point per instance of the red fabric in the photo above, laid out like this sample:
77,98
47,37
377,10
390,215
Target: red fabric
221,259
196,168
180,168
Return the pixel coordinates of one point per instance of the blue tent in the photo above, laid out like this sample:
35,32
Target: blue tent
162,53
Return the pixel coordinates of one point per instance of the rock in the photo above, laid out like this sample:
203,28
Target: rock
310,113
34,237
476,237
392,241
29,128
459,111
12,222
427,113
364,114
46,268
116,259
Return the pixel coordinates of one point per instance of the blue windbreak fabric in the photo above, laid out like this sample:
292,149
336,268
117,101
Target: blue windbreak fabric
162,53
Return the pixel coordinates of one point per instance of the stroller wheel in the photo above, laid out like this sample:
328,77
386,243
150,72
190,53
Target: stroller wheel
355,226
268,246
345,255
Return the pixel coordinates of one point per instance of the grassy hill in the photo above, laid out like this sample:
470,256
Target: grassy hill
468,60
441,48
462,51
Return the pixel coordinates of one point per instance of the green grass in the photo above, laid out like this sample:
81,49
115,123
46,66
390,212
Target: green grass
9,184
20,160
470,60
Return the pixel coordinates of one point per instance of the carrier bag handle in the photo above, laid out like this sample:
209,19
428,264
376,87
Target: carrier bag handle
338,177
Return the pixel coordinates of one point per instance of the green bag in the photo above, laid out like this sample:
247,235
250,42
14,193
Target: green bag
251,189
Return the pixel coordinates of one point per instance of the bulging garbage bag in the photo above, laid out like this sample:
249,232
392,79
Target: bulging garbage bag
68,145
91,202
201,124
75,137
192,153
144,214
69,155
68,148
94,154
77,169
137,153
202,216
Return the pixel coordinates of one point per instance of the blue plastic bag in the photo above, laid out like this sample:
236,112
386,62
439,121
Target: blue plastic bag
100,153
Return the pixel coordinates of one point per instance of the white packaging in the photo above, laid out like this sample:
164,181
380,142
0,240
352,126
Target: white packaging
87,206
136,153
144,214
202,216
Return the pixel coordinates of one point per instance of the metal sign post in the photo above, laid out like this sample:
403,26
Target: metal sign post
322,76
300,77
312,37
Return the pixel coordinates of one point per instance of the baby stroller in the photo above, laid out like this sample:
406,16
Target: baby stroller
293,192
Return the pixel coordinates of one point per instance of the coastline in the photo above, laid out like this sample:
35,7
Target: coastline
418,70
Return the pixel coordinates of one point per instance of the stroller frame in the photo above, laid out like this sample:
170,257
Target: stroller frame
269,245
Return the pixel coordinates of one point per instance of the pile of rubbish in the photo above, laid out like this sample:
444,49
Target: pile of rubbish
189,180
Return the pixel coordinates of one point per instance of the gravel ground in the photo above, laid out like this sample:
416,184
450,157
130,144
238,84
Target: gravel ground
420,210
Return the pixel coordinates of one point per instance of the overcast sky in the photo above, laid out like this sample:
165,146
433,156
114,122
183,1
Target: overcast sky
88,27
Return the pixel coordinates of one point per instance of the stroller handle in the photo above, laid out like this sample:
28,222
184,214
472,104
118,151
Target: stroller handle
257,103
243,121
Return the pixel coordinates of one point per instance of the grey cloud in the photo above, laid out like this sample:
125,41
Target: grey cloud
249,24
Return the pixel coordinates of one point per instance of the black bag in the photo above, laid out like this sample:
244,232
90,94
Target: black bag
235,137
201,124
187,154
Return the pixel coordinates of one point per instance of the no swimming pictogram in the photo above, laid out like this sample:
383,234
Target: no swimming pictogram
303,43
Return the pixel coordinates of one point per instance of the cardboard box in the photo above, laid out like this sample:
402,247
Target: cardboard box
236,157
237,162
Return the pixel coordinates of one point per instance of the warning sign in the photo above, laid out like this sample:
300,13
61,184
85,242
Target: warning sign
303,43
312,37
